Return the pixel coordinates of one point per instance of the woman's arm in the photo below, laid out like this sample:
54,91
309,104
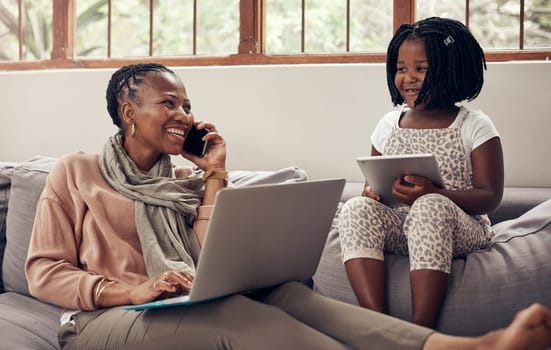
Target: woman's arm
215,176
108,293
52,268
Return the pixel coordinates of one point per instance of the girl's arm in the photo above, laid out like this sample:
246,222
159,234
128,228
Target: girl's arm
487,180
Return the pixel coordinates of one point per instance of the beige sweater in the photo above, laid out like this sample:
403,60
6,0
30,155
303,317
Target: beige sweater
84,231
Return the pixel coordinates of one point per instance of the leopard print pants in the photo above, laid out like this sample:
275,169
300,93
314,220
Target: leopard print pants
433,232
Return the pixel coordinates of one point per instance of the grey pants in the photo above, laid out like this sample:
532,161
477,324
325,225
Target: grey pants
290,316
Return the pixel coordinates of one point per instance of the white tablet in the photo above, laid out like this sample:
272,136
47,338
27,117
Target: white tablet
381,171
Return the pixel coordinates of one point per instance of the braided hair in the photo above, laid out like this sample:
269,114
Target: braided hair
124,81
455,59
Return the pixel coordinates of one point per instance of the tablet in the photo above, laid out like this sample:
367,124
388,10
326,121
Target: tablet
381,171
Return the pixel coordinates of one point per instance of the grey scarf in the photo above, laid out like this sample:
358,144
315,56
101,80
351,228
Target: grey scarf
165,207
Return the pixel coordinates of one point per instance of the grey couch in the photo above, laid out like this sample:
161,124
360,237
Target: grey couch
484,292
486,288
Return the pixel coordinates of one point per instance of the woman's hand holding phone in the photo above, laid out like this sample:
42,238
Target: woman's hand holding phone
194,142
204,146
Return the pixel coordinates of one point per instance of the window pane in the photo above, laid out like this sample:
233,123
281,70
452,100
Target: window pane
217,27
173,27
537,24
370,25
9,47
325,26
454,9
496,23
283,26
91,32
37,30
130,28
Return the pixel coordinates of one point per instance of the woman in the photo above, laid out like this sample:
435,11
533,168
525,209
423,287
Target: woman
125,227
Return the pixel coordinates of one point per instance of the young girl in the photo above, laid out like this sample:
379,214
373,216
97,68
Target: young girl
432,66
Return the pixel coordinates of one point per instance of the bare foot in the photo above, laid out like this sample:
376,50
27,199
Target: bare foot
529,330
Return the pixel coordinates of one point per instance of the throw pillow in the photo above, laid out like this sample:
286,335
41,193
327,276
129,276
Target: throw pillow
6,170
240,178
27,182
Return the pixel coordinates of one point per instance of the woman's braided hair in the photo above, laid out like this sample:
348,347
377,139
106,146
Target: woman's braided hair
122,82
455,59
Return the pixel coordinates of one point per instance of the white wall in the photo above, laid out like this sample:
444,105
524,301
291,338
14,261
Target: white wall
318,117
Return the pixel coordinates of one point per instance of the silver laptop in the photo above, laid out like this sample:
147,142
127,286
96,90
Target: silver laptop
261,236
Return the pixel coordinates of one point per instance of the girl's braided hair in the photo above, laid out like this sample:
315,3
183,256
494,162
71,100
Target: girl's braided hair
124,81
455,59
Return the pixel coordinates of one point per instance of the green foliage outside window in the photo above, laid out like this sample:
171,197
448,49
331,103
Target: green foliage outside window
217,28
37,30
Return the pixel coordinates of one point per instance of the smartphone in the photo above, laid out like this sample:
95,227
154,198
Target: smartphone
194,143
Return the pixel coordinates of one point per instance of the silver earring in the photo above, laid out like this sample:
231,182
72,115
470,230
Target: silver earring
133,129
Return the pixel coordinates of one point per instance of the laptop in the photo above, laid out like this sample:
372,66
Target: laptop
261,236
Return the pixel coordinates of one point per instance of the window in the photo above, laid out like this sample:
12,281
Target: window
321,26
137,28
40,34
498,24
26,30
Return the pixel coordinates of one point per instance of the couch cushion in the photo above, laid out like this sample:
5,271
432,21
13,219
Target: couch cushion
260,177
517,201
26,186
6,170
485,290
26,323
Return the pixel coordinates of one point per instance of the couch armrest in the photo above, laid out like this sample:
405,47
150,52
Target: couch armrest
517,201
